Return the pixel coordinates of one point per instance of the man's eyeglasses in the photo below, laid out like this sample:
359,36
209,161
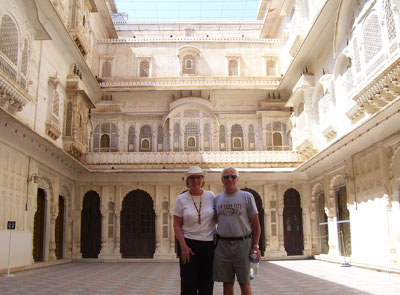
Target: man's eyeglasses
226,177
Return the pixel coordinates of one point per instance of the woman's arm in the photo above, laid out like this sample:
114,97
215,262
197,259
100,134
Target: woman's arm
185,250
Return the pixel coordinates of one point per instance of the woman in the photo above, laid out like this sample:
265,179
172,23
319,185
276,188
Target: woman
194,229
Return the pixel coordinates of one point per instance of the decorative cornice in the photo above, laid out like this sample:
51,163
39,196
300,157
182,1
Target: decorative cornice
195,83
191,39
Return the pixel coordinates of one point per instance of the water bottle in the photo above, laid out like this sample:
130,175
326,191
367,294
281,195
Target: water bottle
254,265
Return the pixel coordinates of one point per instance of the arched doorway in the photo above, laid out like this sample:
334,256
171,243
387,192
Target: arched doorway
260,209
293,223
137,225
39,227
59,228
343,222
91,226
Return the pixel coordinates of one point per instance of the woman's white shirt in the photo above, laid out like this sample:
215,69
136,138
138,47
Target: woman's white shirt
185,208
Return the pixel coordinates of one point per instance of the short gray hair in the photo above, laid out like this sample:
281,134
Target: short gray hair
230,168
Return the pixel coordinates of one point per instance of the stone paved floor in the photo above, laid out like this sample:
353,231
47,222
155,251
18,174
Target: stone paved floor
276,277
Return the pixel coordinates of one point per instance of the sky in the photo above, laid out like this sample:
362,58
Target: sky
197,10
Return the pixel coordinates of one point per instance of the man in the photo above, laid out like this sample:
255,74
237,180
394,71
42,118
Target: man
239,232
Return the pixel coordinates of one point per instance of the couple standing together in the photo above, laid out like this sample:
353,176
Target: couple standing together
196,214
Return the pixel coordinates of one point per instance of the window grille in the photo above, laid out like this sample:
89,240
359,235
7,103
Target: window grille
372,38
131,139
68,124
145,139
271,67
233,67
390,24
177,136
276,137
237,137
144,68
188,65
192,137
222,138
357,55
160,138
252,141
105,138
207,137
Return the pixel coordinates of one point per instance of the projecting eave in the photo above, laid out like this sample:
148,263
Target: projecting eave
317,39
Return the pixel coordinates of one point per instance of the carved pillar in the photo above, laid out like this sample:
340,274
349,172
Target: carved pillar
117,249
332,226
104,225
172,233
158,232
76,251
69,238
52,242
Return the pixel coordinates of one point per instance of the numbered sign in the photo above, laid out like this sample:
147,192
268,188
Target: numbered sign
11,225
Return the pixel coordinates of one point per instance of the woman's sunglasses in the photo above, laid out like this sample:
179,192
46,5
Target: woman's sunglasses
226,177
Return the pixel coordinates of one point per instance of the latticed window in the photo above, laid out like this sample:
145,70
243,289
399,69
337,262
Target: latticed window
357,55
106,69
177,136
233,67
391,27
222,138
145,139
188,65
207,137
68,120
192,137
131,139
24,64
252,139
372,38
160,138
237,137
9,47
277,138
105,138
55,107
144,68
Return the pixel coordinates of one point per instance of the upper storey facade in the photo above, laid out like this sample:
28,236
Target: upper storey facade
190,55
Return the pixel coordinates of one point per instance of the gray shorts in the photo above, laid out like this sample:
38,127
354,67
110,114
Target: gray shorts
230,258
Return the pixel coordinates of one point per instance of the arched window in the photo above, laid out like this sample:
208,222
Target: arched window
177,136
277,138
222,138
237,137
105,142
192,135
131,139
145,138
189,65
105,138
9,47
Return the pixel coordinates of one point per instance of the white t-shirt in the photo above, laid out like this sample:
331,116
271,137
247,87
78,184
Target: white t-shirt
185,208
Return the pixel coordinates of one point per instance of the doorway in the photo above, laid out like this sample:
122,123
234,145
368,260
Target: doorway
91,226
39,227
293,223
137,225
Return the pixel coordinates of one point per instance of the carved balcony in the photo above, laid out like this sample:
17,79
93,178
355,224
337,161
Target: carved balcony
13,97
159,160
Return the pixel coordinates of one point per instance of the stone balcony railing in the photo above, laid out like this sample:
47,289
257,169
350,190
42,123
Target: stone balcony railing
247,159
170,83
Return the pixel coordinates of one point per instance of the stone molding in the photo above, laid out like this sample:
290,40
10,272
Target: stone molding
12,97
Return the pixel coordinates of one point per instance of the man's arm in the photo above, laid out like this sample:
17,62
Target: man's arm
256,229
